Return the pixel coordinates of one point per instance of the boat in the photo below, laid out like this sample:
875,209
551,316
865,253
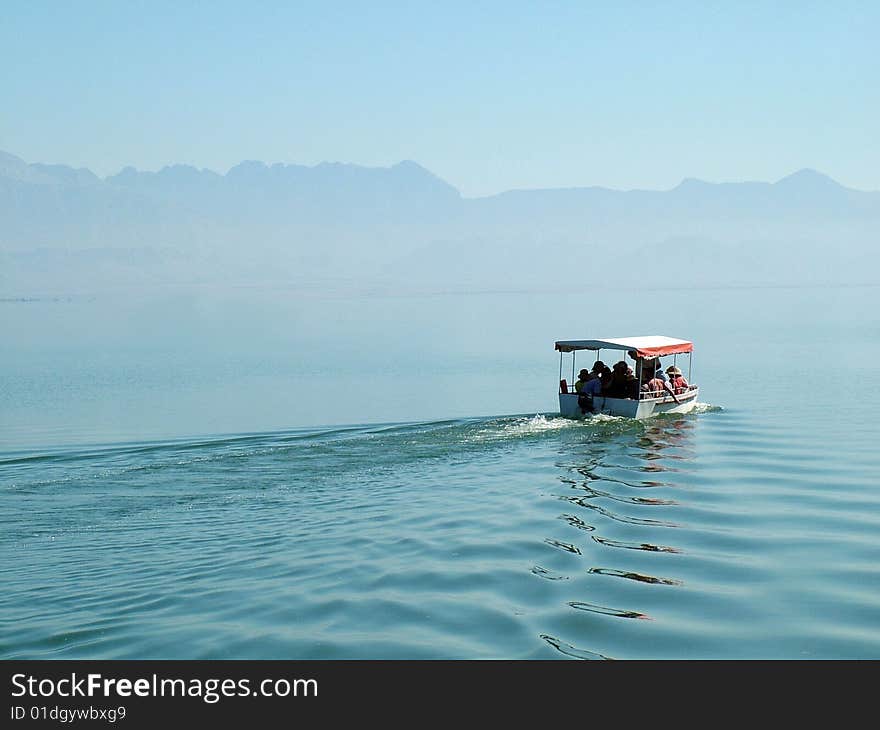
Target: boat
644,351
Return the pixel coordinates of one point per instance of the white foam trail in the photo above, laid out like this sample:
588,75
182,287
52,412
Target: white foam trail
538,424
526,426
604,418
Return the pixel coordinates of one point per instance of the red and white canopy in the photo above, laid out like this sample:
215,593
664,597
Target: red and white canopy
648,346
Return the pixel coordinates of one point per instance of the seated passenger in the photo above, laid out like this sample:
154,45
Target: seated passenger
676,380
655,386
617,384
645,366
584,376
593,386
603,373
632,384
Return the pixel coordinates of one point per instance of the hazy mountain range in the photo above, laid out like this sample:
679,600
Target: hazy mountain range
345,228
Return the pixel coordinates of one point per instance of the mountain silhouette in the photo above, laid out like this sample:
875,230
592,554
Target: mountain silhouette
403,228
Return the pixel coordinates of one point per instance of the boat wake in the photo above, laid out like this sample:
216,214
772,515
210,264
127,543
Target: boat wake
538,423
425,436
516,427
605,418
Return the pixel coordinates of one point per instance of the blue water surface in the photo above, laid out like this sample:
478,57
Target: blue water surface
256,475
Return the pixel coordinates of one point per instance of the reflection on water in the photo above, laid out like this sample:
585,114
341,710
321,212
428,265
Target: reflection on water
619,613
631,535
635,576
571,651
635,546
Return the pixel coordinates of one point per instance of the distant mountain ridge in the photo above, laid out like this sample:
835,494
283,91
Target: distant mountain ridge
403,226
39,173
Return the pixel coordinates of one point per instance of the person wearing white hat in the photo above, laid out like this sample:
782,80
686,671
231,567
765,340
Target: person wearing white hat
676,380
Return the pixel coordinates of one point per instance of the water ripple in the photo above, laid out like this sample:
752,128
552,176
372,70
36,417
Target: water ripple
629,575
572,651
425,540
605,610
548,574
635,546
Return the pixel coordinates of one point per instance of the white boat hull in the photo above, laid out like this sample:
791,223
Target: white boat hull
628,407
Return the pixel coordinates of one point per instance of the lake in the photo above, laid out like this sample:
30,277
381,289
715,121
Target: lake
269,474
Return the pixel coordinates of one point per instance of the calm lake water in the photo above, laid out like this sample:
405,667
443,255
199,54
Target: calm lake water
260,474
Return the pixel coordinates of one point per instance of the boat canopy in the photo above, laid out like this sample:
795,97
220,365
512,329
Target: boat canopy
648,346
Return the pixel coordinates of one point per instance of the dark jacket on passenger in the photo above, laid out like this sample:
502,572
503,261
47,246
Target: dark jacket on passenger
618,386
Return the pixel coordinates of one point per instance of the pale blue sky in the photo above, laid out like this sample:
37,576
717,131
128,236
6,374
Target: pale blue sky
488,95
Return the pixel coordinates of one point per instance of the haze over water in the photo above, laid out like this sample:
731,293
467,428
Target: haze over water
250,473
